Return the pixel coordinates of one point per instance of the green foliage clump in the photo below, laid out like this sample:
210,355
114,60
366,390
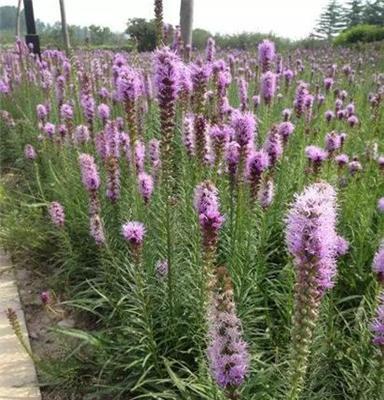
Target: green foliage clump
360,33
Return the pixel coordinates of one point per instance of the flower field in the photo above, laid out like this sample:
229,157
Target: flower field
212,222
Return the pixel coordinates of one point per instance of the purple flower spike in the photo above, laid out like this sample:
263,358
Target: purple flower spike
354,167
161,269
342,160
285,130
273,145
56,212
316,157
268,86
232,157
66,112
332,142
328,83
30,152
145,182
311,236
210,52
133,232
377,326
266,193
378,264
45,297
49,129
267,55
188,134
342,246
227,351
301,93
257,163
41,112
81,134
329,115
244,125
89,173
103,112
128,84
380,205
352,121
207,206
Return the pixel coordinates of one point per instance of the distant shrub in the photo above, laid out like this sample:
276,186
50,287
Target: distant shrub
360,33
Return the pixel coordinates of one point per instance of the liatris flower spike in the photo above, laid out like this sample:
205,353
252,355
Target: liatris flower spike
378,264
377,326
133,232
56,212
30,152
227,351
312,240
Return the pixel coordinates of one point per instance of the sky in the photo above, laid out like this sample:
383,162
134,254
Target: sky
294,19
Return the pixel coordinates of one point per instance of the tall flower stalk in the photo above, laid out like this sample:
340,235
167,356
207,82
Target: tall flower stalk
312,240
159,22
167,77
91,182
206,203
227,351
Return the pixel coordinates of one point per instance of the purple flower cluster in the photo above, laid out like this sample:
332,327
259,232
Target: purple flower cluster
30,152
316,156
378,264
244,125
161,269
267,55
266,193
206,203
273,145
311,234
299,102
133,232
227,351
89,172
145,183
268,86
128,84
285,130
377,326
56,212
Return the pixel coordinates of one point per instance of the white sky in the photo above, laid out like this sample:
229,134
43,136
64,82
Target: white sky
290,18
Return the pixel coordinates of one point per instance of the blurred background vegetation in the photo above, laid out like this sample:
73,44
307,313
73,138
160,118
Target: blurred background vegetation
355,21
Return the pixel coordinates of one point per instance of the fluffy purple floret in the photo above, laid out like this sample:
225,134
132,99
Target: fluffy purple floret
145,182
133,232
89,173
311,233
56,212
244,125
377,326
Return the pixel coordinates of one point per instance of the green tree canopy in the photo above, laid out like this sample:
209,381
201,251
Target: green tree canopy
143,33
331,21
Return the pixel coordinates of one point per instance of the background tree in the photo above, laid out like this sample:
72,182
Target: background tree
8,17
353,14
143,32
64,27
186,21
373,13
18,12
100,35
331,21
200,37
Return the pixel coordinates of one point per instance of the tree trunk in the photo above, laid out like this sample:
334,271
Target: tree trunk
18,19
64,28
186,21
